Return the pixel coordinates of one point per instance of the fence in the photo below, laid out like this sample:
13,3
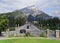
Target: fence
48,33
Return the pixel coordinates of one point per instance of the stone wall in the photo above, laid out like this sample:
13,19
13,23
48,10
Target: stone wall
49,33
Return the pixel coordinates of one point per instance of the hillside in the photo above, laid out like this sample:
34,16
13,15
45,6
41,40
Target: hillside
27,11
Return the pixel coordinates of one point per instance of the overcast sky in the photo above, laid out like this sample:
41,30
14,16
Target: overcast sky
51,7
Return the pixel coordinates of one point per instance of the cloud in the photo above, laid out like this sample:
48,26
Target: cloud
51,7
56,12
10,5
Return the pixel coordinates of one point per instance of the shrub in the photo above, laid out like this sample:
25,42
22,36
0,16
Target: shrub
27,34
42,34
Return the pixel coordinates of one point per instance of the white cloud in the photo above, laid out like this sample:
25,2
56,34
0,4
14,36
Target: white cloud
55,2
20,3
56,12
6,5
51,7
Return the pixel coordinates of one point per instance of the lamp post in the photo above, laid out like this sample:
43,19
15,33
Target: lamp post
58,26
41,25
47,25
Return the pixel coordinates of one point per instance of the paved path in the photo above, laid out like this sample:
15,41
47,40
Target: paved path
33,30
5,38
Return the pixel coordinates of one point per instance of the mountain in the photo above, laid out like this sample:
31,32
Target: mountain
31,10
27,11
35,14
43,16
38,17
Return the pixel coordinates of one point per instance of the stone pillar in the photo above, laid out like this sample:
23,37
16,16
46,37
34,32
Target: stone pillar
27,30
18,27
57,33
15,33
7,33
48,32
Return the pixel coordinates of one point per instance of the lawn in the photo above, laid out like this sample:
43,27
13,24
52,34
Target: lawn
29,40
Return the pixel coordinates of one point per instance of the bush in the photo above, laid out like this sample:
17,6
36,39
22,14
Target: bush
42,34
27,34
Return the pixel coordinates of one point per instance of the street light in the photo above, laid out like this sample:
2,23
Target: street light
58,26
47,25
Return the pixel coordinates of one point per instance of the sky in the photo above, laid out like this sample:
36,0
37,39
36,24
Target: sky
51,7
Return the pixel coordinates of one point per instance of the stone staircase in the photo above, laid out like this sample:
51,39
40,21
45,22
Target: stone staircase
34,31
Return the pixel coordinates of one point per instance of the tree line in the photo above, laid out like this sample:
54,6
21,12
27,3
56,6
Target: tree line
11,20
52,23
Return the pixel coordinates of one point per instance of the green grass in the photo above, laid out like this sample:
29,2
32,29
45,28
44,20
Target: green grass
29,40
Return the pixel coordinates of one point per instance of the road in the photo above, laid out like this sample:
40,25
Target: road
33,30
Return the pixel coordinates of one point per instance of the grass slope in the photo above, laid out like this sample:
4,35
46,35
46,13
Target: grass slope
29,40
